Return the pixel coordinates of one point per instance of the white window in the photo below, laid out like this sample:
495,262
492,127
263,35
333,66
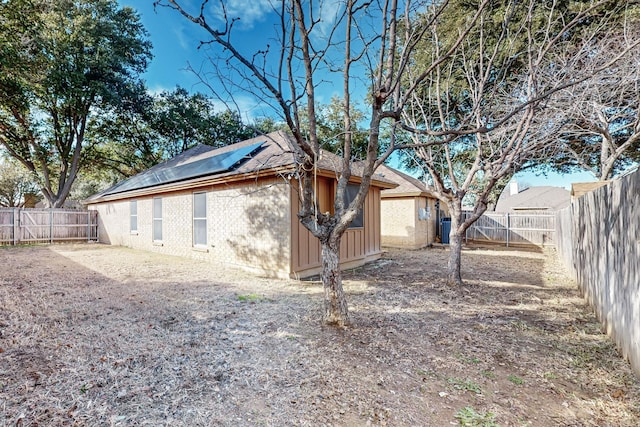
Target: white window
157,219
133,212
199,219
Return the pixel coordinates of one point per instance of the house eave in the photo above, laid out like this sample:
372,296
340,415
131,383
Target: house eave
191,184
226,179
405,194
531,208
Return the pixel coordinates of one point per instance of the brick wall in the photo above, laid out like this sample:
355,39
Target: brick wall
400,226
248,225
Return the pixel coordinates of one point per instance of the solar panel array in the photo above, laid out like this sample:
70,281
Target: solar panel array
209,166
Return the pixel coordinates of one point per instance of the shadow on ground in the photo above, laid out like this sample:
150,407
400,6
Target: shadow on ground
98,335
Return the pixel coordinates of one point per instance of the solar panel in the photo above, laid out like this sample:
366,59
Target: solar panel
209,166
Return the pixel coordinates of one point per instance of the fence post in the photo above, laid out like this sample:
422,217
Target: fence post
475,230
508,230
16,225
50,225
466,232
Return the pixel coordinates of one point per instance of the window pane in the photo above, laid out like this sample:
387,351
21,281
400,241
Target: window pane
157,207
349,195
200,205
133,206
157,229
134,223
157,218
199,219
200,232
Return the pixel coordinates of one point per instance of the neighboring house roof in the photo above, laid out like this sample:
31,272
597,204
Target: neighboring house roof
534,198
408,186
579,189
205,165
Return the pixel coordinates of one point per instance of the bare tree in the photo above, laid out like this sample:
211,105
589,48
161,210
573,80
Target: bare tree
601,117
490,95
316,45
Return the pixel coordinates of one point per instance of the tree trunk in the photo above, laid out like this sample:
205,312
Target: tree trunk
335,302
455,258
454,275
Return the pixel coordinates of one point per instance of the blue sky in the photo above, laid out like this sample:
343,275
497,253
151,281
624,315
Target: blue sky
175,45
175,42
554,179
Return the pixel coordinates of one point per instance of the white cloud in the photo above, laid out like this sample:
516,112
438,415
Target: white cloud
247,106
180,36
249,12
329,12
158,89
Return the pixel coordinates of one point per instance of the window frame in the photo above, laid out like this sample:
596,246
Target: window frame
199,219
133,216
350,193
157,220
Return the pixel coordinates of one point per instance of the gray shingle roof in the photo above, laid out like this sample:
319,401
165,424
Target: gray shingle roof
275,153
407,184
534,198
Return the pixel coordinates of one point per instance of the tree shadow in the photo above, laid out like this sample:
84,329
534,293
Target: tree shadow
263,243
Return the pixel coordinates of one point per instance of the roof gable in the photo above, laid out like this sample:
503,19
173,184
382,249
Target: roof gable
265,154
407,185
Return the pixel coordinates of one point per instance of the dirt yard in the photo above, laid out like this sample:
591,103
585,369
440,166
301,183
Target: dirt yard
92,335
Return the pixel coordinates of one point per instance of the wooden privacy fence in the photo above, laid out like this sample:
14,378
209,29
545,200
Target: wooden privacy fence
46,225
514,228
599,241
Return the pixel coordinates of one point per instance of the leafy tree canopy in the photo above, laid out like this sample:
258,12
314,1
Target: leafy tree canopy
138,135
15,183
62,62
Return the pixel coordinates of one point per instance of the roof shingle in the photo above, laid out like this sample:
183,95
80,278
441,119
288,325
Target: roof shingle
276,154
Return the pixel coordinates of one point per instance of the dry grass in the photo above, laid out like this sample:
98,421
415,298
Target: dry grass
95,335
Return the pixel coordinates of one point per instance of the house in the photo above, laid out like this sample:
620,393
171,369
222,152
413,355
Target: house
543,198
236,205
409,214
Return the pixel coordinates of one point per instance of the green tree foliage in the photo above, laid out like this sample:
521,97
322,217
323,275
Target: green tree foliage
62,63
15,184
182,120
600,116
331,129
126,141
486,102
154,128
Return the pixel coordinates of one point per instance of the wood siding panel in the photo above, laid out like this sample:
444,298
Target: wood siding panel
371,242
351,245
372,237
357,243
